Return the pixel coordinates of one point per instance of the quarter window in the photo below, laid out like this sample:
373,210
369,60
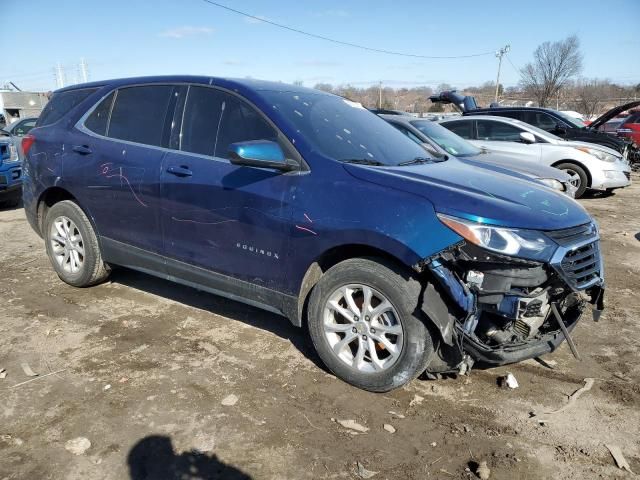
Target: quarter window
139,114
498,131
97,121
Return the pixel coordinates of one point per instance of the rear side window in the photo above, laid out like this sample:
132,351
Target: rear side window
497,131
97,121
462,128
61,103
139,113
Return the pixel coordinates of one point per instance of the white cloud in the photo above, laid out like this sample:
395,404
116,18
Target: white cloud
186,31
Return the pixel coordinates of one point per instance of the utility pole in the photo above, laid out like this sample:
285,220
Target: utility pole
380,95
500,53
59,74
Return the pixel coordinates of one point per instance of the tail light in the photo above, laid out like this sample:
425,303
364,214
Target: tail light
27,142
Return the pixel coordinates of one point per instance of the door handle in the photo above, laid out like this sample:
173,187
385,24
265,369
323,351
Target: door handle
81,149
181,171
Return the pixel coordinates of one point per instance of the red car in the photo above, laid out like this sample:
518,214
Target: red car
630,127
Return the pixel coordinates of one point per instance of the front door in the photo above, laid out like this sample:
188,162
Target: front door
504,139
223,218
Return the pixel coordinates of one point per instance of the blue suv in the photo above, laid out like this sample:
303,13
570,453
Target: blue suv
308,205
10,171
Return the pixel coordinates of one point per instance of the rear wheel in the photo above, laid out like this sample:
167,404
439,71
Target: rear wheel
578,176
364,326
72,246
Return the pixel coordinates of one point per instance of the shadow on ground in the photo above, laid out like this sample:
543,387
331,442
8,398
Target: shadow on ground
217,305
153,458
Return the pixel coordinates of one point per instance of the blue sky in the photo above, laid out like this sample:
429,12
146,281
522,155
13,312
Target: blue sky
120,38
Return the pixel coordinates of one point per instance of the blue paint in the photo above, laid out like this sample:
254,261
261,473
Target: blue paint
265,226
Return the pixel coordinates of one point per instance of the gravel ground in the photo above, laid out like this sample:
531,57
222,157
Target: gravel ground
168,382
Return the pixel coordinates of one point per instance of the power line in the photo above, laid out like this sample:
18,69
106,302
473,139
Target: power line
340,42
514,67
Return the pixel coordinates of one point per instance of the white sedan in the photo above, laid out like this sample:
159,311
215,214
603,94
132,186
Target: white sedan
591,166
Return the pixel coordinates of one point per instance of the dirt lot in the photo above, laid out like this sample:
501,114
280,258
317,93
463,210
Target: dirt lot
143,367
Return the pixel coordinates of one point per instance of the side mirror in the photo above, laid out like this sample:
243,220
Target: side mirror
527,137
260,154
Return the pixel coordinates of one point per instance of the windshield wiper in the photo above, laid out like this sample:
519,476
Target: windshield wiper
363,161
419,160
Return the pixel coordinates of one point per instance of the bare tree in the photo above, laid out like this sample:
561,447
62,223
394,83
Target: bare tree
553,64
590,96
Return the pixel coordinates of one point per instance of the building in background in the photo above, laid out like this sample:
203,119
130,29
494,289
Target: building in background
15,105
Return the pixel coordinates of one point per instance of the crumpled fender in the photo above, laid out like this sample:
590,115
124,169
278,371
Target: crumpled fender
438,312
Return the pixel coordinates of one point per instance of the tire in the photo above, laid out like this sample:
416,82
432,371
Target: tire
573,169
58,232
402,291
11,202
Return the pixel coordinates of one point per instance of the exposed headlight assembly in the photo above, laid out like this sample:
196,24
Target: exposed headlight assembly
599,154
553,183
515,242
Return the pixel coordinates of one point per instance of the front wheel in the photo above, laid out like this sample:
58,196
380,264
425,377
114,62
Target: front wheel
578,176
364,324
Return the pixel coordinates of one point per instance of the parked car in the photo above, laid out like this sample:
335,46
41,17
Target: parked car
21,127
10,171
590,166
552,121
307,205
630,128
440,141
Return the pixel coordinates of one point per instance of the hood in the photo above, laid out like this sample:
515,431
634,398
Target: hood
602,119
478,194
530,169
595,146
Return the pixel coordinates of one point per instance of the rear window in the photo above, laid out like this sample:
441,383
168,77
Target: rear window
138,114
61,103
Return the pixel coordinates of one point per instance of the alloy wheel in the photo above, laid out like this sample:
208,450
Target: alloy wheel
67,245
363,328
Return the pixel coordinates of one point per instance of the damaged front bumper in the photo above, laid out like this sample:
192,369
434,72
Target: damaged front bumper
497,310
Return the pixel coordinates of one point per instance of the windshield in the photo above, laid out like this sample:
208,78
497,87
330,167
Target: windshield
446,139
573,121
344,130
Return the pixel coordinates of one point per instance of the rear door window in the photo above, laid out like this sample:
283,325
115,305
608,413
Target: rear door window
463,128
498,131
61,103
97,121
139,114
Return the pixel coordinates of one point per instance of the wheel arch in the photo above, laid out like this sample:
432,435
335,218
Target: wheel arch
578,164
328,259
52,195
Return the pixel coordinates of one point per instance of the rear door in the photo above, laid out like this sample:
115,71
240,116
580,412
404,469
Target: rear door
119,151
504,139
223,218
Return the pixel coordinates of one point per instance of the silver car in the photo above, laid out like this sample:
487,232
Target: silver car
439,141
591,166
